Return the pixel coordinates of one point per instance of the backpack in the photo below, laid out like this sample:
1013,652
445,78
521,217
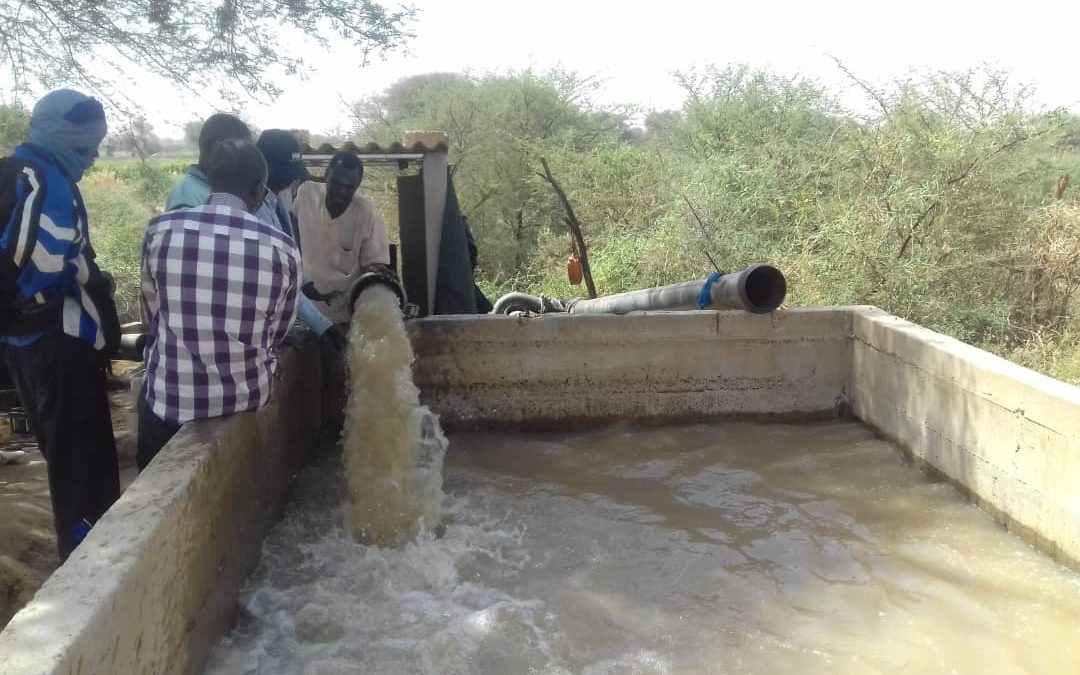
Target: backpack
18,317
14,319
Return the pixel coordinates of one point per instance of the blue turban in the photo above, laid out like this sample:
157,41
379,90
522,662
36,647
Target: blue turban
70,126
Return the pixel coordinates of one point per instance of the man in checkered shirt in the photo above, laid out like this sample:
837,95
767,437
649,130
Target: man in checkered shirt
220,291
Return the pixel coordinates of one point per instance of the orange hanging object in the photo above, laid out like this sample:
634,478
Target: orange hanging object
573,270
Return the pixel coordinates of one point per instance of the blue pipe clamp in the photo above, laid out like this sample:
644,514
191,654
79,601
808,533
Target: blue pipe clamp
705,297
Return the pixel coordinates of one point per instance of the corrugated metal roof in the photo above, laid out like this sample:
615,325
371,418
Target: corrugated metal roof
395,148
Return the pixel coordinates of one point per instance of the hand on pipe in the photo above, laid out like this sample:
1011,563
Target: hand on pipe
313,293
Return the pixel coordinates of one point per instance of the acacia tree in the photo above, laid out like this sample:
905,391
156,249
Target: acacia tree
192,130
141,139
204,45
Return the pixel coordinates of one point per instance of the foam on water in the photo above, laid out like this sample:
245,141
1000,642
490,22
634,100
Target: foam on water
727,548
320,603
393,446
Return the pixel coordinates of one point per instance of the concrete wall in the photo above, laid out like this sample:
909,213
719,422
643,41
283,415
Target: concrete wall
155,584
1005,434
559,369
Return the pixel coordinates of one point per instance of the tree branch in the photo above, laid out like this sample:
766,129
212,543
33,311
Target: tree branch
705,234
488,194
572,222
870,91
197,45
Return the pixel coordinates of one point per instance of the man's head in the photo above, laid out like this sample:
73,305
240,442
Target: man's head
343,176
217,128
70,126
237,168
282,154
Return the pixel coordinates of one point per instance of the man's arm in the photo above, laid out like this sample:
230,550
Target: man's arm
270,214
287,296
310,314
375,250
309,290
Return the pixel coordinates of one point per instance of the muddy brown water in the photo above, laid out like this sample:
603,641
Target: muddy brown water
716,548
392,447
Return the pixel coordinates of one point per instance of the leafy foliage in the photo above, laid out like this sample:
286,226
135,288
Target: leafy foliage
13,122
938,205
500,125
121,197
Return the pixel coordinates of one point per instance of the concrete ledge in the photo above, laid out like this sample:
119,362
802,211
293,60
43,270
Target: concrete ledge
155,584
1006,435
491,371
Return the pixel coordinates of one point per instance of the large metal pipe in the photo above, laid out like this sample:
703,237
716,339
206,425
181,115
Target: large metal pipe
131,346
385,277
518,302
758,289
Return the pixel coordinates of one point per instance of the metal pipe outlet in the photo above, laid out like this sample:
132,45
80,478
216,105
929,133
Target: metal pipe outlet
523,302
380,277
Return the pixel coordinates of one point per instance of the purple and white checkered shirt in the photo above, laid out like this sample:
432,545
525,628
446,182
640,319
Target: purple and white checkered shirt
219,290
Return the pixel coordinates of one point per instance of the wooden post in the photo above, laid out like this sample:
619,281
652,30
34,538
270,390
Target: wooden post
575,227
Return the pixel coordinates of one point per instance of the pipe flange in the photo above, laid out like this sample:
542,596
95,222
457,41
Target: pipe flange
375,277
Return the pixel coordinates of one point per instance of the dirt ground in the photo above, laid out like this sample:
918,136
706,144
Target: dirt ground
27,540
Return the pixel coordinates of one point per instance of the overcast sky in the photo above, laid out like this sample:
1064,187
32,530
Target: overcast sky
634,51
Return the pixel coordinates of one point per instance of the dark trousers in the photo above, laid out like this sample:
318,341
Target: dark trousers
335,392
61,383
154,433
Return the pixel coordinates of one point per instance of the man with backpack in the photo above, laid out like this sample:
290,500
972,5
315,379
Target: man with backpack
58,321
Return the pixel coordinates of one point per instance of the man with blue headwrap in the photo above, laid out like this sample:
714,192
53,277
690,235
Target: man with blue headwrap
58,323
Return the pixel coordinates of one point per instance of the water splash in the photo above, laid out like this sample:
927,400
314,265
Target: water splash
393,446
729,548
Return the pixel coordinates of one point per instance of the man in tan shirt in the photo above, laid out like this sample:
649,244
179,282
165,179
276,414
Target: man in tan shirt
341,234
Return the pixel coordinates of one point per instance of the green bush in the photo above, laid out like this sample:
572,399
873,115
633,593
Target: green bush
938,206
151,179
14,120
118,215
121,196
